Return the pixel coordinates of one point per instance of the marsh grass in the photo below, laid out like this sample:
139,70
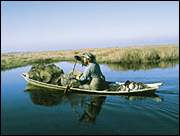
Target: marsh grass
129,55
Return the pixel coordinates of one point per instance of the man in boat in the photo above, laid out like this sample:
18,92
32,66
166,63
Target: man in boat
92,78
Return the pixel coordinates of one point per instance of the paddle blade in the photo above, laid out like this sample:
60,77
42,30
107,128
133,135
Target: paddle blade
67,88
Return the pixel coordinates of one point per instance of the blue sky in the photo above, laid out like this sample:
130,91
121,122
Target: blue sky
57,25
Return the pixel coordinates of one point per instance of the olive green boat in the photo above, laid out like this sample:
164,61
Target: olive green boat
152,87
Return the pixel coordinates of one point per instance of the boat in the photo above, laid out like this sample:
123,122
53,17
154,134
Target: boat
152,87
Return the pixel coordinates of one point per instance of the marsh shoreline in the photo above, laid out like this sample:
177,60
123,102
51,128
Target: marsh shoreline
142,55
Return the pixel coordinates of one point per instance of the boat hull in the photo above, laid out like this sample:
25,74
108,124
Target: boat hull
152,88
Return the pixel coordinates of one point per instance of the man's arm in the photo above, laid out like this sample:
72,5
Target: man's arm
85,75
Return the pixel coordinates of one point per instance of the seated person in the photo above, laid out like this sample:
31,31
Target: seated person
92,78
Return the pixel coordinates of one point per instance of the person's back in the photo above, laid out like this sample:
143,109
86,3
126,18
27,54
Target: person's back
96,71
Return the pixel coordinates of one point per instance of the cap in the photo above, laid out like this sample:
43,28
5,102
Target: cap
89,55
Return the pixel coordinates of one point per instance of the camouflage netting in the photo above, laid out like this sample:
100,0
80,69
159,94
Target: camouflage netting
46,73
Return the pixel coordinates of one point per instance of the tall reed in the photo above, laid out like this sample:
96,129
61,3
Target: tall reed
139,55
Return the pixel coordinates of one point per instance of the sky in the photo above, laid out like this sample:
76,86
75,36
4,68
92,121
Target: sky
63,25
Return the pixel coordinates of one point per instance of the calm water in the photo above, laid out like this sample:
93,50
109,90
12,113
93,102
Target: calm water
39,111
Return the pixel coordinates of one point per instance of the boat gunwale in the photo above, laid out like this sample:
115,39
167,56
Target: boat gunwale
106,91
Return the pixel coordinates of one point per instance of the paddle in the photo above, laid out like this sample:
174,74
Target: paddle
69,83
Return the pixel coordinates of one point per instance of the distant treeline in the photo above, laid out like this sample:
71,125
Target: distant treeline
126,55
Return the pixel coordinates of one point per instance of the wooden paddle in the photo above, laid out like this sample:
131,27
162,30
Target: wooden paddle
69,83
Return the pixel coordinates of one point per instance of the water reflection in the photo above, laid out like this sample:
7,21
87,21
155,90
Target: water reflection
153,97
44,97
87,107
92,109
145,66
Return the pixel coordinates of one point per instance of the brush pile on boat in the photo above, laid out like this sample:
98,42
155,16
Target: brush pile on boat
46,73
52,74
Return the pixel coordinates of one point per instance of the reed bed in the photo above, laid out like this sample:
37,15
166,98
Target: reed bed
126,55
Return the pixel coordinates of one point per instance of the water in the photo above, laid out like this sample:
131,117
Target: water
40,111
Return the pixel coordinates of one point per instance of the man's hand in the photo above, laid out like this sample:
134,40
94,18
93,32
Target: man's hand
78,76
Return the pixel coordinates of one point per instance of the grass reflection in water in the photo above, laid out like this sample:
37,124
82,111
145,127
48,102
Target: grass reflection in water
141,66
